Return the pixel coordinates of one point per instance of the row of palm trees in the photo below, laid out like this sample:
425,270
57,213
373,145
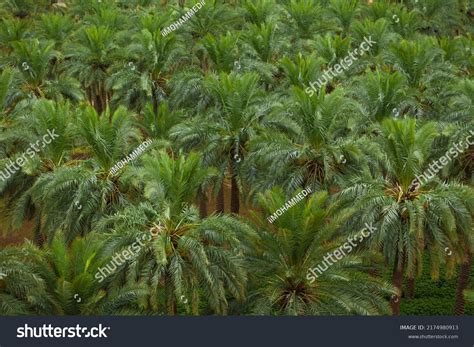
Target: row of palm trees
223,100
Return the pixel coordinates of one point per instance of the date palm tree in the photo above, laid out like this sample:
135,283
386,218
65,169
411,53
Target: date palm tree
22,291
141,75
412,215
5,82
89,58
383,95
214,18
186,262
60,281
312,149
23,140
39,77
224,133
81,188
282,253
231,107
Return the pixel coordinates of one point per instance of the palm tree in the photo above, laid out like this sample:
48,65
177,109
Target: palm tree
23,139
344,13
22,291
224,133
24,8
462,106
238,103
157,125
282,254
439,16
187,259
57,28
305,18
5,83
89,58
179,180
258,12
142,73
35,59
213,18
261,49
79,187
312,149
410,215
383,95
60,281
12,30
379,31
221,51
413,59
464,274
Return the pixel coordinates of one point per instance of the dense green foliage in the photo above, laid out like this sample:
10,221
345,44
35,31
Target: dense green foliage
433,298
237,129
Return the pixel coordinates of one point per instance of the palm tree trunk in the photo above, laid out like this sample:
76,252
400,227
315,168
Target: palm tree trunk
170,299
154,93
411,288
397,281
374,272
234,190
462,283
102,96
172,311
220,199
234,196
203,205
39,238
